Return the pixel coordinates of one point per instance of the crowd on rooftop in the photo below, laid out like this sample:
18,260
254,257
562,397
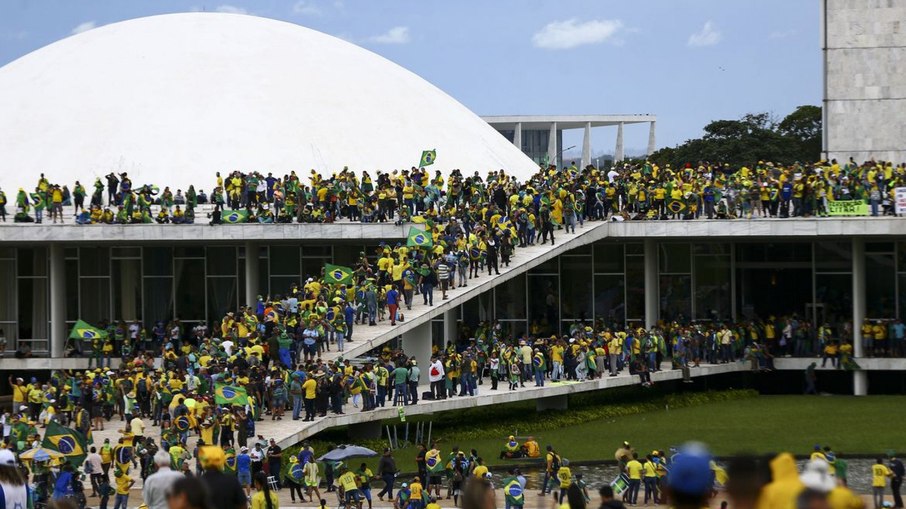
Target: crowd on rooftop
629,190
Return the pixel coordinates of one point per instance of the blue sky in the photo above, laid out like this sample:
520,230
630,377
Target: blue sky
687,61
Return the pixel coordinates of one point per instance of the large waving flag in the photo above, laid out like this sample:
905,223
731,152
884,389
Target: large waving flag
235,216
428,157
230,395
337,274
83,330
66,441
419,238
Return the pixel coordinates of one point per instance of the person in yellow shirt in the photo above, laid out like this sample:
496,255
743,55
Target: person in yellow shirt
649,475
416,492
123,485
264,498
879,475
634,470
349,483
565,476
480,469
310,393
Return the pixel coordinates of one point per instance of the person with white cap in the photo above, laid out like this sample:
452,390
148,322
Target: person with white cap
13,486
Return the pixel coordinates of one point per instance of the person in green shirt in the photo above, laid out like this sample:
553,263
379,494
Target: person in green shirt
840,468
400,377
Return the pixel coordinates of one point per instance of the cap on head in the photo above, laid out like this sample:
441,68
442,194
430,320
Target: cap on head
690,472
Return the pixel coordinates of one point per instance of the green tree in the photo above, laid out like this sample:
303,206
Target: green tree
804,126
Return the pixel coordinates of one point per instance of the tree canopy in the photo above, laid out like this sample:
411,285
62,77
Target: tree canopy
754,137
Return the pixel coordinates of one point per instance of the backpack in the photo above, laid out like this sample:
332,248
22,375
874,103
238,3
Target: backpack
555,463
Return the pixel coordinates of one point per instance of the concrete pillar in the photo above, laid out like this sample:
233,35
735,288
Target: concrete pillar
651,140
552,403
860,378
618,150
57,300
517,135
586,146
251,273
451,329
417,343
651,284
552,145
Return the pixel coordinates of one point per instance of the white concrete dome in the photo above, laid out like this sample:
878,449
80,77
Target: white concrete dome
172,99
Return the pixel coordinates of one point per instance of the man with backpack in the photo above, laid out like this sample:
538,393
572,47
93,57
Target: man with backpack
552,466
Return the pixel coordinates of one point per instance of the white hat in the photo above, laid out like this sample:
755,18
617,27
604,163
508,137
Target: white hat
23,407
817,476
7,458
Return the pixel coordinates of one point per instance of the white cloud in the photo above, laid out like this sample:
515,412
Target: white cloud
306,8
84,27
396,35
231,9
572,33
707,36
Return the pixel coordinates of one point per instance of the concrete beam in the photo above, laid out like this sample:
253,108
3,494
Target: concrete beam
618,150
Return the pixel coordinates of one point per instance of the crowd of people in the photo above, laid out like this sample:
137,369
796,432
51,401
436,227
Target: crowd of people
629,190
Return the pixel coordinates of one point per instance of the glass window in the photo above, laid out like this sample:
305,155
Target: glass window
901,256
513,328
608,258
157,300
190,289
8,253
879,286
675,297
635,249
879,247
158,261
610,299
322,251
94,261
126,252
674,258
581,250
544,309
284,260
189,252
712,248
7,290
221,261
280,285
712,287
221,297
347,254
833,257
312,267
510,299
33,308
834,298
551,266
475,310
774,252
635,287
32,262
576,288
94,299
127,289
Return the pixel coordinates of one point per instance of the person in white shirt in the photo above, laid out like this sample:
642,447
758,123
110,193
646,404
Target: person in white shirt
436,377
158,484
94,464
13,486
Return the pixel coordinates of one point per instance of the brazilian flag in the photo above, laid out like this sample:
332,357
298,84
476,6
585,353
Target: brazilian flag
230,395
83,330
295,473
410,275
428,157
337,274
676,206
123,455
235,217
434,462
419,238
66,441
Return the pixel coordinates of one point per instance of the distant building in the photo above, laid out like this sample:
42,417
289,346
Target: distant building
864,50
540,137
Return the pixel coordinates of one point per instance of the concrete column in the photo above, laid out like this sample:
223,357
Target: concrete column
517,135
860,377
618,151
552,145
586,146
651,284
251,273
417,343
451,329
57,300
651,140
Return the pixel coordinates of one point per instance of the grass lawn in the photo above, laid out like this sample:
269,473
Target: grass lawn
854,425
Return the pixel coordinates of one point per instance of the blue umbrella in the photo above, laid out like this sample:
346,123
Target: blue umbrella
344,452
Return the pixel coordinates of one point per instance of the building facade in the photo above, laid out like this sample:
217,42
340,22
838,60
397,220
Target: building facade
864,50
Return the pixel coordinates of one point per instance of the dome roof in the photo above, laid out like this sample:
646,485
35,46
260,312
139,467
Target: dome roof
171,99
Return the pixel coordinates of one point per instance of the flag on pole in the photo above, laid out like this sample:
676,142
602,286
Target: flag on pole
66,441
83,330
235,217
419,238
230,395
337,274
428,157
